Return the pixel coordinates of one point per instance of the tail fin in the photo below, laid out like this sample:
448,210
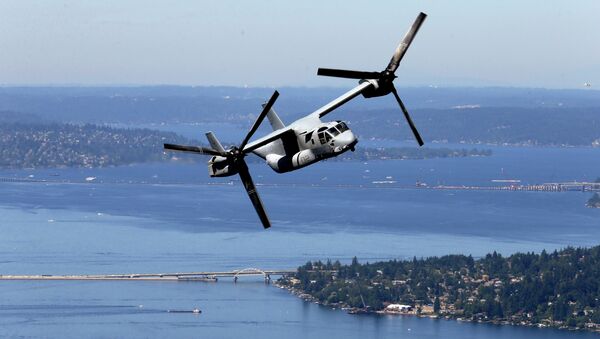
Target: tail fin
274,120
214,142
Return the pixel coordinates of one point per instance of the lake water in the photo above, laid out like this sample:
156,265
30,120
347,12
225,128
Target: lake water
172,217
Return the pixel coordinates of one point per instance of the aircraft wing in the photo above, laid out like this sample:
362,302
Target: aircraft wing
319,113
267,139
342,99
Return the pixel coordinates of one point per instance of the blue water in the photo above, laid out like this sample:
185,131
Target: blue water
171,217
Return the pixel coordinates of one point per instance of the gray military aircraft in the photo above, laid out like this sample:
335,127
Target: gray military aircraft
309,139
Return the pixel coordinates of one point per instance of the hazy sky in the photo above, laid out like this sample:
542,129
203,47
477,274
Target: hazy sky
282,43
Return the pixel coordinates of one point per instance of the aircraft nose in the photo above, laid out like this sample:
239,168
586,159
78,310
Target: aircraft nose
346,138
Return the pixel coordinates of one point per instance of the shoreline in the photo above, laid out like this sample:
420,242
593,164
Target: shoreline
362,311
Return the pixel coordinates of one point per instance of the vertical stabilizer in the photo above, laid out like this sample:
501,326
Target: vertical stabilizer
274,120
214,142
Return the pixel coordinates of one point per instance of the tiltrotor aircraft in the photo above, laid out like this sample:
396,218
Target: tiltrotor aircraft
309,139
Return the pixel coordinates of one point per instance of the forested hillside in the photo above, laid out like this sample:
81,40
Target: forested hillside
561,288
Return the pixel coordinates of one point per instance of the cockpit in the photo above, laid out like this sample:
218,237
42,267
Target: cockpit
326,134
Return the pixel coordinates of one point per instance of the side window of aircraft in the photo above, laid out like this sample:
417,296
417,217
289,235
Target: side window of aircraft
308,137
328,137
322,138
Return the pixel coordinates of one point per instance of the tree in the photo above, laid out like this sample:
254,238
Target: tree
560,310
436,305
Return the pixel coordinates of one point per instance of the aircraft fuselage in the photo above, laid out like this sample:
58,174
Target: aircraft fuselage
308,145
308,141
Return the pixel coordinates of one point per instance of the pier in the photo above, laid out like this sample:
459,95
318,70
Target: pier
180,276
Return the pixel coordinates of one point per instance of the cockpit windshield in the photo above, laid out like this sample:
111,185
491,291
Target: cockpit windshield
325,135
342,127
333,131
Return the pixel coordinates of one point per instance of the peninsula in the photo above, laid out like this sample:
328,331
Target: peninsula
559,289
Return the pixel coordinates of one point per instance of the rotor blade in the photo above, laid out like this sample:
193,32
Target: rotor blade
251,189
214,143
191,149
342,73
408,119
259,120
403,47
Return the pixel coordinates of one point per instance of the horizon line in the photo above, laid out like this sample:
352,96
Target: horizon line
133,85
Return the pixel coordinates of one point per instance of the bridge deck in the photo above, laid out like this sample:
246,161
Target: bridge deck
149,276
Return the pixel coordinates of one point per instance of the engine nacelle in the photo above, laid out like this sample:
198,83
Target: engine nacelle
284,163
380,88
221,167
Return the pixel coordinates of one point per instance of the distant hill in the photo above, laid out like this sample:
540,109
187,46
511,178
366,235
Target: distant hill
576,126
193,104
486,115
18,117
50,145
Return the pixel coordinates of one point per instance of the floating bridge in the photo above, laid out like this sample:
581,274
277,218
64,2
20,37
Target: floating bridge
179,276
